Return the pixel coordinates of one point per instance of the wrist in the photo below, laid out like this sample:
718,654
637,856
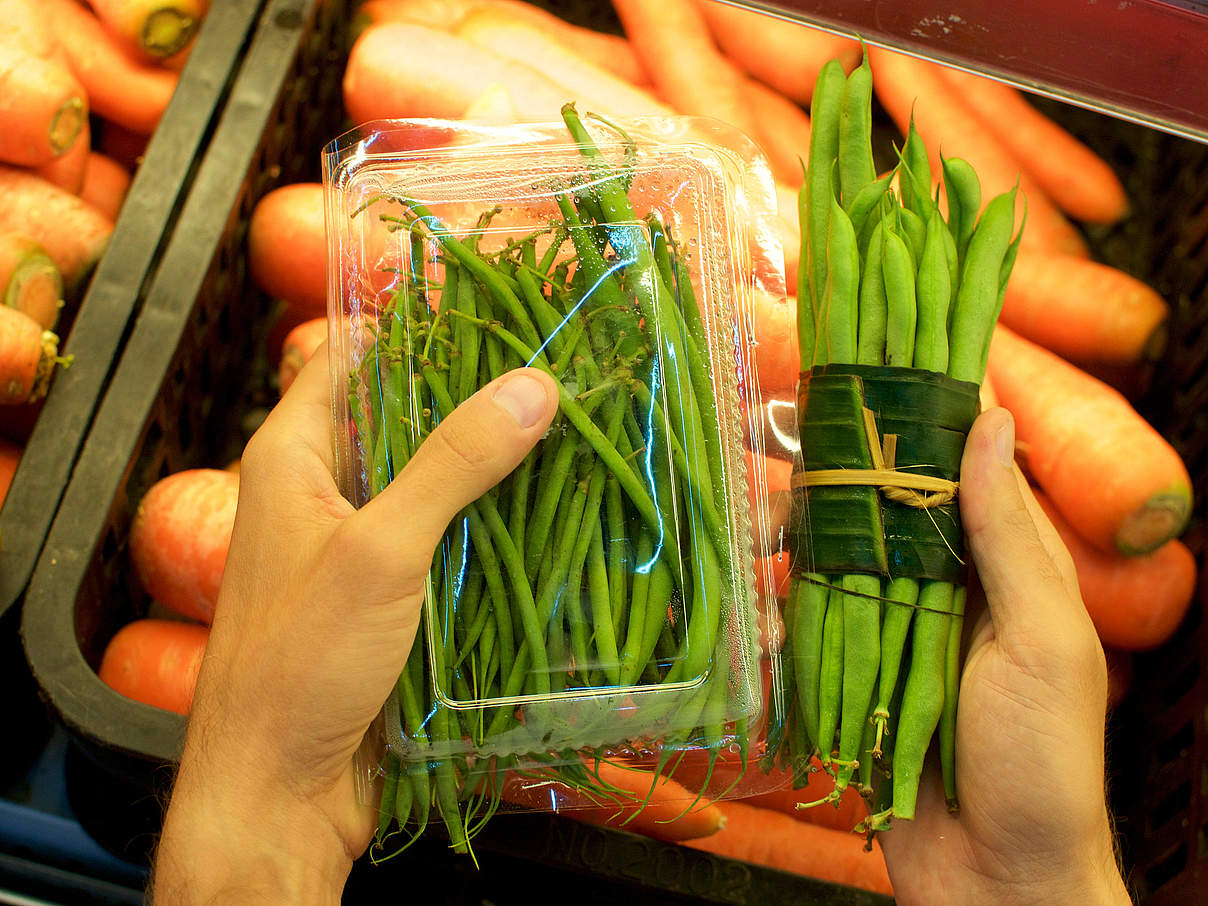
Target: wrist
235,843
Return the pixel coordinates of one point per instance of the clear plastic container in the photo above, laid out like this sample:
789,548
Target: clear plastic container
601,601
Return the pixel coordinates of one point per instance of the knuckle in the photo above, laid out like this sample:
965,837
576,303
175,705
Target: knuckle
461,445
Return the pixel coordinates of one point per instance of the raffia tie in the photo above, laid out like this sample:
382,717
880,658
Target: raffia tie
920,491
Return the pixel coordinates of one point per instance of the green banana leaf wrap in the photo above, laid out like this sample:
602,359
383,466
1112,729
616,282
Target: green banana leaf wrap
859,529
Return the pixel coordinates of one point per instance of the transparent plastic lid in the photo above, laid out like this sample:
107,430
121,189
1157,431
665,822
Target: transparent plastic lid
603,596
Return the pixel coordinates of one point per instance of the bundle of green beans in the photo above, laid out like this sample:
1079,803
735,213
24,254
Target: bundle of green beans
896,304
604,562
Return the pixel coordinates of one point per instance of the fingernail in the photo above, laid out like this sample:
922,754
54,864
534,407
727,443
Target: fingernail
1004,443
523,397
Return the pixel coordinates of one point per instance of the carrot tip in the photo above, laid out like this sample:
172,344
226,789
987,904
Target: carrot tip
66,124
166,32
1161,518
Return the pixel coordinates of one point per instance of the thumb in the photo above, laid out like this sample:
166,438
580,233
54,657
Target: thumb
1028,585
470,451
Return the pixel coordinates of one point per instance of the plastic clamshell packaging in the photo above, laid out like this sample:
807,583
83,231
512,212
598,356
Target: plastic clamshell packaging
601,601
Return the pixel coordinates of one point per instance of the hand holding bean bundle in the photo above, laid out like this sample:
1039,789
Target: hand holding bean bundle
1033,824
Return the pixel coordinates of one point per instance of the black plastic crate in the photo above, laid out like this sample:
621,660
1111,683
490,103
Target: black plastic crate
194,353
95,340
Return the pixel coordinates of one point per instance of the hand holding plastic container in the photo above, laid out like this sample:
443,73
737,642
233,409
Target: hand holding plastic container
600,602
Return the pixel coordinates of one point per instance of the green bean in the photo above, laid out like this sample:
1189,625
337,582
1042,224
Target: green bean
861,662
1004,275
830,675
863,207
491,278
638,602
809,613
840,303
364,434
933,294
628,480
446,785
403,795
518,488
977,296
866,759
915,182
825,110
952,681
807,305
504,545
923,698
601,610
964,201
856,168
784,699
614,507
913,230
556,462
870,347
477,612
898,273
387,800
895,626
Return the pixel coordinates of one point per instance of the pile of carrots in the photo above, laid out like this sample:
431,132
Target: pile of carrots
84,87
506,61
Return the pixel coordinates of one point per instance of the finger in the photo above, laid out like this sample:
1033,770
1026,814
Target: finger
1052,542
300,424
1015,568
470,451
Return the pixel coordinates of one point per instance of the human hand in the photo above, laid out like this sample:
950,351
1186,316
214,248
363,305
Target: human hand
317,613
1033,824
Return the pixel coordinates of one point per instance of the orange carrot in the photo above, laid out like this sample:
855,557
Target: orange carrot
179,539
287,248
119,87
29,281
666,815
1112,476
1073,175
105,184
672,41
157,28
777,357
592,86
10,455
785,55
456,73
42,108
72,232
156,662
609,52
1083,310
789,233
779,563
297,349
1136,603
988,395
28,355
781,128
948,126
774,790
769,838
24,25
67,170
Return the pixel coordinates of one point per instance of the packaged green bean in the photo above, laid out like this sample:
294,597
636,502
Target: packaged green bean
897,297
594,619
